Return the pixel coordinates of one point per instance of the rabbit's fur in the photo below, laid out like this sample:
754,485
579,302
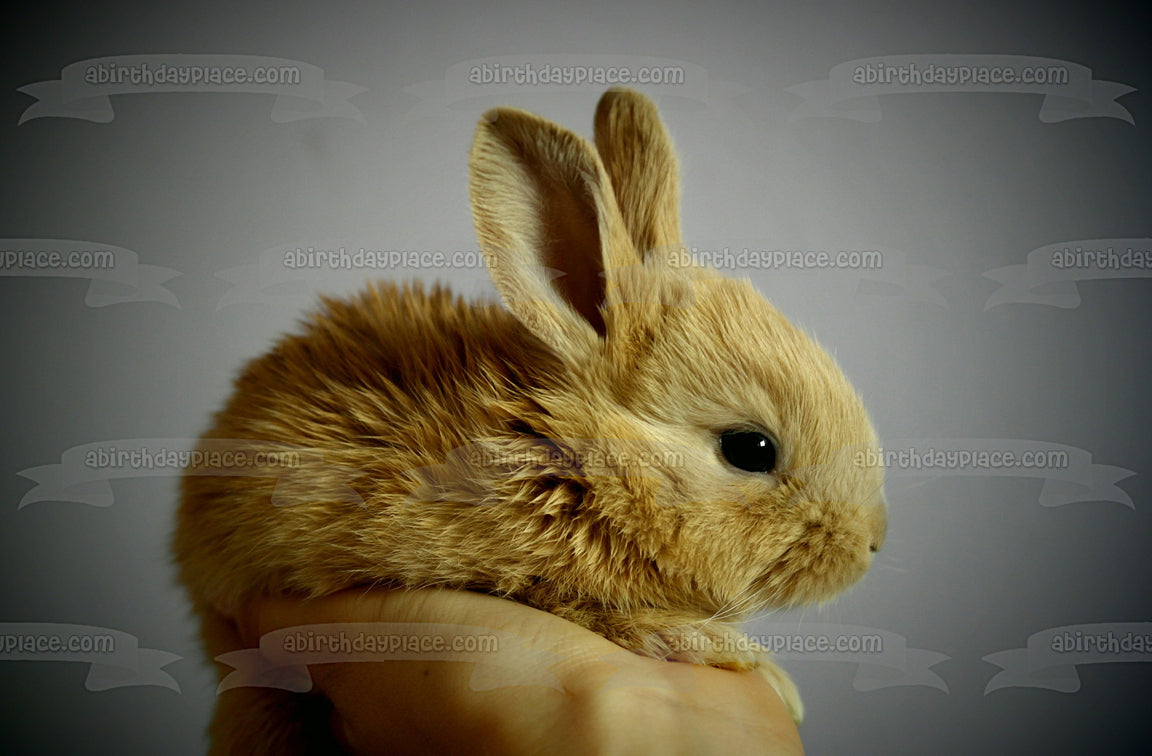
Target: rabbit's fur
563,451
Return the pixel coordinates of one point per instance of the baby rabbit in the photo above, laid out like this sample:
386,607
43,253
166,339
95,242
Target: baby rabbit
635,442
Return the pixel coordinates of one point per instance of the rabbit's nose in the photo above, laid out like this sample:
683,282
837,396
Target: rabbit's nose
878,524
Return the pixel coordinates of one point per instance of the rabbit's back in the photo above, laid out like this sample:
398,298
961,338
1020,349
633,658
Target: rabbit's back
371,391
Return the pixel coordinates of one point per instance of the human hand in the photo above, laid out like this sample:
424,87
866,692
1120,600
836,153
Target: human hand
427,705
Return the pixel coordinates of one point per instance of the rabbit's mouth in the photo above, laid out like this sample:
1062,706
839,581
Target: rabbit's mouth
822,560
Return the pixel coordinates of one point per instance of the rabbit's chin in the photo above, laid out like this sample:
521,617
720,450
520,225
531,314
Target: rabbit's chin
802,578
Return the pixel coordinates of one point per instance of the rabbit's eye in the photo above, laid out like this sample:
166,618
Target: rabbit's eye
748,450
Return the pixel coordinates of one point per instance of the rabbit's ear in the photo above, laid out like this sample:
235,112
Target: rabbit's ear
642,167
548,225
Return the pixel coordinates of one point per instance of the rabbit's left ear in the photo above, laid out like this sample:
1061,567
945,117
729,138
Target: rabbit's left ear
548,223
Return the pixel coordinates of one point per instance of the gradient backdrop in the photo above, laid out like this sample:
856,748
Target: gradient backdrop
192,187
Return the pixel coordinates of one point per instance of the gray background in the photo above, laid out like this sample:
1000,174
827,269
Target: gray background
962,182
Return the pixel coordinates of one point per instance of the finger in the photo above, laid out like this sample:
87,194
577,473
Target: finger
431,703
571,645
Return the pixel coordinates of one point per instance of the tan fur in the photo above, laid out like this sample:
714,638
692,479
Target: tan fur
498,450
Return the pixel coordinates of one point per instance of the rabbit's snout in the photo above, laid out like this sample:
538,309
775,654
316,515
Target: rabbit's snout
878,525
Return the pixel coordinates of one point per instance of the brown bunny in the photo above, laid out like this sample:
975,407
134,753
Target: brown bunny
637,443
